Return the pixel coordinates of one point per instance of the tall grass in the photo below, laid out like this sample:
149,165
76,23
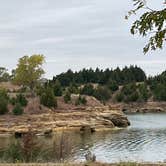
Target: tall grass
28,150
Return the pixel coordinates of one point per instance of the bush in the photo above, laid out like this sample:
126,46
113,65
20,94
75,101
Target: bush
67,97
133,97
112,85
3,101
119,97
133,93
24,150
57,89
143,92
81,100
129,89
21,100
159,92
3,106
18,110
73,88
13,101
13,153
102,93
47,98
87,90
3,94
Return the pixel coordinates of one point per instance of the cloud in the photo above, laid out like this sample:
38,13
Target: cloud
73,34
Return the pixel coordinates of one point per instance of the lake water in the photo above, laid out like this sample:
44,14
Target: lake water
143,141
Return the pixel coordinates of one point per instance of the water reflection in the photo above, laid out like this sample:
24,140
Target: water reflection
145,140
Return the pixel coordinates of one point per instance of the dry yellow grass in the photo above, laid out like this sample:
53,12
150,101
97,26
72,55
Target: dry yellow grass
85,164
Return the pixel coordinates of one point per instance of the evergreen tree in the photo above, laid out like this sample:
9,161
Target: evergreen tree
57,88
47,98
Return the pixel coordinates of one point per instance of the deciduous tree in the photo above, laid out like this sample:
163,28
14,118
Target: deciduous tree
152,23
29,70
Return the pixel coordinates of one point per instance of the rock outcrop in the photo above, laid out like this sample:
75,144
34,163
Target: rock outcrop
139,107
92,119
147,107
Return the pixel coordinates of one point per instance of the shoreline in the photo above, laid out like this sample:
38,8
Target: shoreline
84,164
91,120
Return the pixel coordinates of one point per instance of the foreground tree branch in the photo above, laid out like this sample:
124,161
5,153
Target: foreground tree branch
152,24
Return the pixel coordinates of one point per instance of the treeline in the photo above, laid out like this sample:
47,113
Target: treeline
157,85
121,77
101,84
129,84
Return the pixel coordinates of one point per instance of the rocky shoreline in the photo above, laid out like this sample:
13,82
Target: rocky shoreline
90,119
140,107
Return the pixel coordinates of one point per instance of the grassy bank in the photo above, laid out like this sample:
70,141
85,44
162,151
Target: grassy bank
87,164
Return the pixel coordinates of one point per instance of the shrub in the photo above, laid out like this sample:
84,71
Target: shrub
144,92
47,98
73,88
102,93
3,101
119,97
112,85
3,106
13,101
13,153
57,89
133,93
133,97
24,150
21,100
87,90
159,92
3,94
18,110
81,100
67,97
129,89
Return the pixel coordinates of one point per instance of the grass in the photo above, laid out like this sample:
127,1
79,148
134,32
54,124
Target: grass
86,164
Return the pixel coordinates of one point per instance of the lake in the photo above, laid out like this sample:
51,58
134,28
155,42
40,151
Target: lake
143,141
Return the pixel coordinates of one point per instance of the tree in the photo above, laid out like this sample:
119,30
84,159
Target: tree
57,88
87,90
18,110
81,100
67,97
144,92
151,23
3,101
4,75
102,93
112,85
29,70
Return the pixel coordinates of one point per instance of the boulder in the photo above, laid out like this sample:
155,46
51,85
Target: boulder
87,129
119,120
48,132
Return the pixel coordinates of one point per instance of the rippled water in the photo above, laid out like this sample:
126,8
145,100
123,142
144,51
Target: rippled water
144,140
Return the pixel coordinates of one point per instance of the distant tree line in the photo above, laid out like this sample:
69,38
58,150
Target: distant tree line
103,77
129,84
157,85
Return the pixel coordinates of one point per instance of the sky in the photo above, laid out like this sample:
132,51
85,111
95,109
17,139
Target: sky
74,34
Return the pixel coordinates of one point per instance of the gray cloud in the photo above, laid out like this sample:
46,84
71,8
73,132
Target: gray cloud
73,34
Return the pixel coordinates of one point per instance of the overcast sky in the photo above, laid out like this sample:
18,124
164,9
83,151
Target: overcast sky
74,34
